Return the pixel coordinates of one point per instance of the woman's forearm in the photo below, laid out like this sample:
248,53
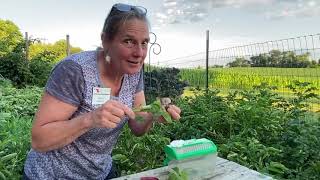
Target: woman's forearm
58,134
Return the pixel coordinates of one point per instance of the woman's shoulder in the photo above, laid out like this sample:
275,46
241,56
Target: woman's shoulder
76,61
82,56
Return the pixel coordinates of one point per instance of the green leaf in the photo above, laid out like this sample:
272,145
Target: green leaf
119,157
2,176
8,157
156,109
166,116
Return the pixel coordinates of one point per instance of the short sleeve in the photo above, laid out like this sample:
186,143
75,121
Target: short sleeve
66,82
140,86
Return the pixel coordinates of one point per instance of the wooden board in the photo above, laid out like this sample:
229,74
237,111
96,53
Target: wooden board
225,170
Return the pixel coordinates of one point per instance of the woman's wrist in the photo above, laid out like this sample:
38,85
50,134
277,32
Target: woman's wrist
88,120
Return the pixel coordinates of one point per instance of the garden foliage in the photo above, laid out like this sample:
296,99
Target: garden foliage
165,82
256,128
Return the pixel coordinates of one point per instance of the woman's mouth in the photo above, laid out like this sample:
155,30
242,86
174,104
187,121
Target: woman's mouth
133,62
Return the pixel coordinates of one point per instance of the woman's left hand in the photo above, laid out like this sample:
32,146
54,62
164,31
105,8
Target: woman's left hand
173,111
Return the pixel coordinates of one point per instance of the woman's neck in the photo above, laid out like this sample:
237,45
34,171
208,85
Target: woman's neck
108,71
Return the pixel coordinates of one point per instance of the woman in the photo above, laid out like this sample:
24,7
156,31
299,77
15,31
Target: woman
87,101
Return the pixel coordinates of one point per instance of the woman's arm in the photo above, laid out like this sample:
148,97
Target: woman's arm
53,128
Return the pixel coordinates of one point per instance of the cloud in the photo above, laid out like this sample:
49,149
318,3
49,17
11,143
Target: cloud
238,3
178,11
299,8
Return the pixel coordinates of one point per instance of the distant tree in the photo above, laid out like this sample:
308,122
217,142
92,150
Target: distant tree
10,37
275,58
216,66
74,50
261,60
239,62
287,59
313,64
51,52
303,60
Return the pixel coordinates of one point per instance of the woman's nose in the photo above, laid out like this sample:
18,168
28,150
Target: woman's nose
138,50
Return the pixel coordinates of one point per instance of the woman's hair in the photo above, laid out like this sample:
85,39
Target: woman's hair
116,18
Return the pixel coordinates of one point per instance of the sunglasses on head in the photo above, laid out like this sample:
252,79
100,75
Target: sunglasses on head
126,8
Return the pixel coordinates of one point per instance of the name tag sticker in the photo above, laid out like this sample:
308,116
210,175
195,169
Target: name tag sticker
100,95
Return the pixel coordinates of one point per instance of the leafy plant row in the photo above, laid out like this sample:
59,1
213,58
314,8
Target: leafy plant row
17,108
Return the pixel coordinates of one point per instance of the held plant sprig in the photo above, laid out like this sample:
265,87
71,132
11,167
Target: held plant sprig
157,108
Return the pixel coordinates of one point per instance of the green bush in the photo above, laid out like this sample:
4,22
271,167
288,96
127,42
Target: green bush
17,108
136,154
40,70
24,72
165,82
15,67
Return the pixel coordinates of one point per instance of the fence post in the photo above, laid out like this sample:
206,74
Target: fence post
27,45
68,45
207,61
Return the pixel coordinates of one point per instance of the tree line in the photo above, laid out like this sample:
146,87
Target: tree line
276,58
31,70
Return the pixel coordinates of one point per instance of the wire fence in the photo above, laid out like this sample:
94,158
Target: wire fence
221,57
277,63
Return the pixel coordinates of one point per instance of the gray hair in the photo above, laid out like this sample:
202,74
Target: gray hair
116,19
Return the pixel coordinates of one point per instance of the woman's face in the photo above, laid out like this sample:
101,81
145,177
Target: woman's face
129,47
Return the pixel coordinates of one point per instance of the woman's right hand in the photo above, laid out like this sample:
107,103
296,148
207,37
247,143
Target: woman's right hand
109,114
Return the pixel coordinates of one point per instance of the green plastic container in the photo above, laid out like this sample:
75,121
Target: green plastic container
196,156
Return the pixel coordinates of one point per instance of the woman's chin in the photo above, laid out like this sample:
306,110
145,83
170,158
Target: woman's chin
133,70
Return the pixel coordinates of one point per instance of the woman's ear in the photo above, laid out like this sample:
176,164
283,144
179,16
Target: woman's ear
103,40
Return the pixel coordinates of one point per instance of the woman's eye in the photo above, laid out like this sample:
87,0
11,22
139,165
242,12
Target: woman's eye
145,44
128,41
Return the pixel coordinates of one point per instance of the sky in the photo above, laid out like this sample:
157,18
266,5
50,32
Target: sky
180,25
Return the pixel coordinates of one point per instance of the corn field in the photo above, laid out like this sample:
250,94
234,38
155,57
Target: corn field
246,78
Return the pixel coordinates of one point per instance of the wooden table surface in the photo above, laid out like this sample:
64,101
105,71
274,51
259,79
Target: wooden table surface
225,170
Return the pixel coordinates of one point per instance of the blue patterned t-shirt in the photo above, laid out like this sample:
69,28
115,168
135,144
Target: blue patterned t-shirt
89,156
